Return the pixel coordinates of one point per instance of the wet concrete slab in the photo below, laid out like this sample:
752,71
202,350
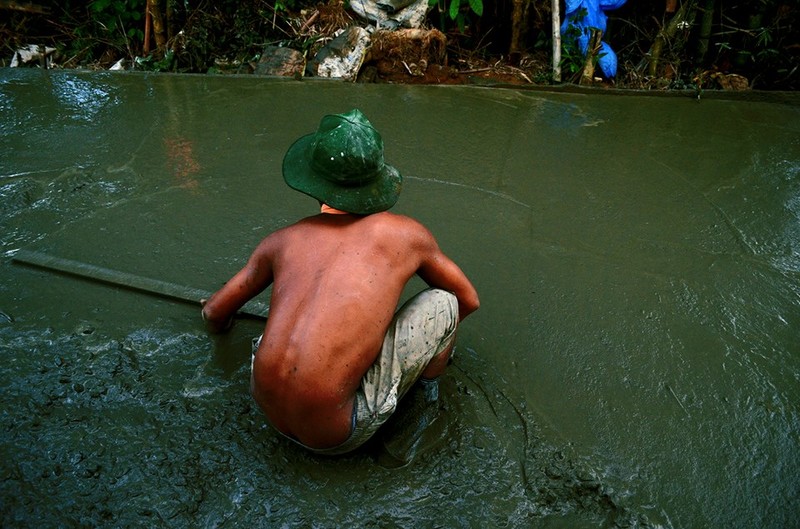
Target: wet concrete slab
634,361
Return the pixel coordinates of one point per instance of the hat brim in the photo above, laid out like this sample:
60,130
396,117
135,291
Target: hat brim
377,195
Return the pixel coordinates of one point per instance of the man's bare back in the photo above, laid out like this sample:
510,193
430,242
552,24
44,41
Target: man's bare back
335,357
337,279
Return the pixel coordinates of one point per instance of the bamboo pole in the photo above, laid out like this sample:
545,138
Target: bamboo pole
685,14
706,23
556,42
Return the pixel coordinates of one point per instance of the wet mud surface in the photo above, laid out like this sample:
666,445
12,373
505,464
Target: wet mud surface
147,430
634,362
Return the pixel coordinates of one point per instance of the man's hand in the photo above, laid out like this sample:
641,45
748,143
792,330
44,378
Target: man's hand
215,326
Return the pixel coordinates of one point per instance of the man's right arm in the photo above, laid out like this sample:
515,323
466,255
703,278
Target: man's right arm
219,309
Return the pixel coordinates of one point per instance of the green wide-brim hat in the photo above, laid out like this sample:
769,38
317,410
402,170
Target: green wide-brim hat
342,165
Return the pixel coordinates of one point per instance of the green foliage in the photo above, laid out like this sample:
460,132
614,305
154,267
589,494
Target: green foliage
283,6
572,58
455,7
458,12
109,28
120,19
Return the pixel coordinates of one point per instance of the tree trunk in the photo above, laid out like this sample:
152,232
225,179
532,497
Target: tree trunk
170,20
519,27
148,20
159,31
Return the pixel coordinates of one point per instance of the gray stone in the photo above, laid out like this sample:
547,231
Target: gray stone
282,62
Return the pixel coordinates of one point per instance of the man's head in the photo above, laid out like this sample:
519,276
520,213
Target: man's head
342,165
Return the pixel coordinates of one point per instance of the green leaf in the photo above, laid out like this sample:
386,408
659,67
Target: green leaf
454,5
477,6
99,5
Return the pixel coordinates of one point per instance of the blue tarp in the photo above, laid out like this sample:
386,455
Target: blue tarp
595,17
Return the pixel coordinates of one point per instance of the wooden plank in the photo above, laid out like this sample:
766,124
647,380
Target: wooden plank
124,279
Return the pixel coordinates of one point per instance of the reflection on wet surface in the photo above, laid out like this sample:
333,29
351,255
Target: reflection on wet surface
635,360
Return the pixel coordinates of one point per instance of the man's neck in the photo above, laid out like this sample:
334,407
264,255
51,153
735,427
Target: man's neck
325,208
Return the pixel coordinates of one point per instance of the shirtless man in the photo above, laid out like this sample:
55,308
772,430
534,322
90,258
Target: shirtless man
335,358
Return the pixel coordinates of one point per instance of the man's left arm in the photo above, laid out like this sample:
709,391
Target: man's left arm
439,271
